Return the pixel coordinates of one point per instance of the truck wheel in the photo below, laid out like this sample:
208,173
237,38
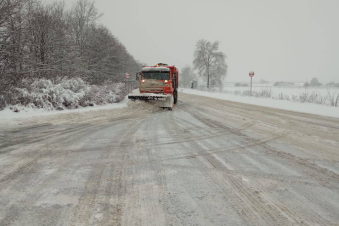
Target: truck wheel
175,95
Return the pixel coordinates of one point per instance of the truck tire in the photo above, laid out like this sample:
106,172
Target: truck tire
175,96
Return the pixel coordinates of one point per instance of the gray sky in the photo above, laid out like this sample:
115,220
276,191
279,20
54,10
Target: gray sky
289,40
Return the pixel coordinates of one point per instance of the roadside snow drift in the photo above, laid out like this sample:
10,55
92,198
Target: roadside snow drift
271,103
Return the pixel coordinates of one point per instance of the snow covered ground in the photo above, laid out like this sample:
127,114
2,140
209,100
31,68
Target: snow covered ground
8,114
296,90
309,108
207,162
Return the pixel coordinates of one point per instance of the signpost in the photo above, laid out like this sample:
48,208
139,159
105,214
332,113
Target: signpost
251,74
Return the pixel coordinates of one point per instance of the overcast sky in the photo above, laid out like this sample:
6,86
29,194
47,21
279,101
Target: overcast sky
289,40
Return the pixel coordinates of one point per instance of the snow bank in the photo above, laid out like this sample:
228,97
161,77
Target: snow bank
324,95
8,114
271,103
63,94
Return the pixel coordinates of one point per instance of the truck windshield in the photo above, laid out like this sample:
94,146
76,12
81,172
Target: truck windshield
156,75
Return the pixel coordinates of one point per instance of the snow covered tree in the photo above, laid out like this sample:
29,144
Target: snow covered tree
47,46
47,41
12,24
210,62
84,15
186,76
101,56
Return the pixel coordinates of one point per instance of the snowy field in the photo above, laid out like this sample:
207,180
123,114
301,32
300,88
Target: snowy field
239,94
324,95
207,162
285,92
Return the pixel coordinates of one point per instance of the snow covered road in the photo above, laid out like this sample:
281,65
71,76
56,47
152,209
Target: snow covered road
207,162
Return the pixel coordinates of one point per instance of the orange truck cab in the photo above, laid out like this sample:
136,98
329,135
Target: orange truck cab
159,82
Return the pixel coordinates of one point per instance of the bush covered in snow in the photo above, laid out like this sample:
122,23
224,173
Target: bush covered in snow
264,92
64,94
108,93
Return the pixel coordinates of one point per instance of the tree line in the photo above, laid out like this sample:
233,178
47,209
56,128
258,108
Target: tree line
53,41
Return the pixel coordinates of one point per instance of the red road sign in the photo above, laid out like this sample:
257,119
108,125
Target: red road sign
251,74
127,75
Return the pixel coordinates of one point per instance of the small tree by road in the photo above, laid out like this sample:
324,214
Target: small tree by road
186,76
315,82
210,63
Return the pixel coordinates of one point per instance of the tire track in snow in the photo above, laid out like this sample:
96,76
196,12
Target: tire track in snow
83,213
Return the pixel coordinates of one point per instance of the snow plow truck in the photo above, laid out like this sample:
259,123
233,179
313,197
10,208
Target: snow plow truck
158,84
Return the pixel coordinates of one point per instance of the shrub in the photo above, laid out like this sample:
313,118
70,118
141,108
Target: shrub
333,96
65,93
43,93
264,92
246,93
282,96
108,93
237,92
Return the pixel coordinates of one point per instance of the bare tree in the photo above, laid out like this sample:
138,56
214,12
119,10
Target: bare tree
84,15
12,23
210,62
